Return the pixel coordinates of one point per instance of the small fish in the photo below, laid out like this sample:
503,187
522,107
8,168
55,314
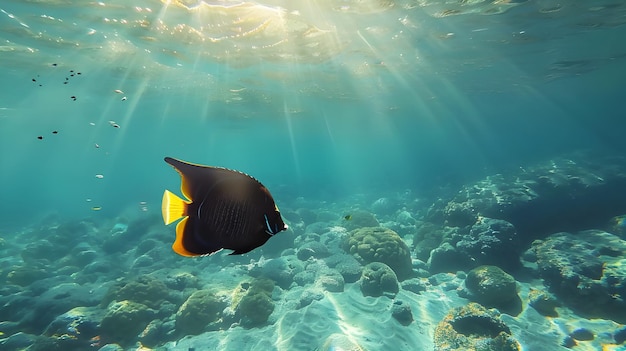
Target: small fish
225,209
117,91
99,176
114,124
347,217
96,208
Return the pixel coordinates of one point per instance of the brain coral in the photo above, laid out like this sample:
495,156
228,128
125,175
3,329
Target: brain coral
378,244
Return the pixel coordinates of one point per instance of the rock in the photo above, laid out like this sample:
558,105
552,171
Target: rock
312,249
492,287
17,341
401,311
144,289
446,258
331,281
620,336
25,275
414,285
586,272
281,270
568,194
428,237
491,242
472,327
346,265
378,279
304,278
569,342
582,334
256,305
377,244
308,296
182,281
153,335
79,323
200,310
124,320
617,226
543,302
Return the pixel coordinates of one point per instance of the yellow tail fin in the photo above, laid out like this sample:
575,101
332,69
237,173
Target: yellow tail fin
172,207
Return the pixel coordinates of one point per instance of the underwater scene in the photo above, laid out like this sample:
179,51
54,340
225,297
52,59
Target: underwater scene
312,175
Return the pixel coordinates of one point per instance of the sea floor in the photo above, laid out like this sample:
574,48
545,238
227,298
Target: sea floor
117,285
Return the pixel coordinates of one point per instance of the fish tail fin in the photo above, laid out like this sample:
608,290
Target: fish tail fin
172,207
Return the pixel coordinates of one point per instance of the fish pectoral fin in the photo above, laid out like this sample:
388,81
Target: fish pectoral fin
172,207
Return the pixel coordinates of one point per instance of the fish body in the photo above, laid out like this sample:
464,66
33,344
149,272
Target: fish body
224,209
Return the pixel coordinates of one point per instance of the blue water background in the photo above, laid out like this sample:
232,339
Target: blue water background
500,92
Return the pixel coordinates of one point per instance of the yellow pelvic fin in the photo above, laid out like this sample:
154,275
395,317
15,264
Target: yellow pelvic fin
178,243
172,207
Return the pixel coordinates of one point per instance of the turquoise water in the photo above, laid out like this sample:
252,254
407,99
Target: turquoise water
331,104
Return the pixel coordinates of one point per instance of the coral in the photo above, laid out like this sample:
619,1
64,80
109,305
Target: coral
202,308
472,327
377,244
255,307
360,219
492,287
378,279
124,320
144,290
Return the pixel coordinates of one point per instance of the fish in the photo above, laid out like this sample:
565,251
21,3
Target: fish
222,209
347,217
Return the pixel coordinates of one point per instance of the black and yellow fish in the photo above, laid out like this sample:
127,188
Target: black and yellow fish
226,209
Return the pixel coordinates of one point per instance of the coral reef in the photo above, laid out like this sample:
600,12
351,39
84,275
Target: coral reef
472,327
376,244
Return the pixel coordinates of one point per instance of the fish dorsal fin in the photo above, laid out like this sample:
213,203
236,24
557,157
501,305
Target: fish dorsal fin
194,175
